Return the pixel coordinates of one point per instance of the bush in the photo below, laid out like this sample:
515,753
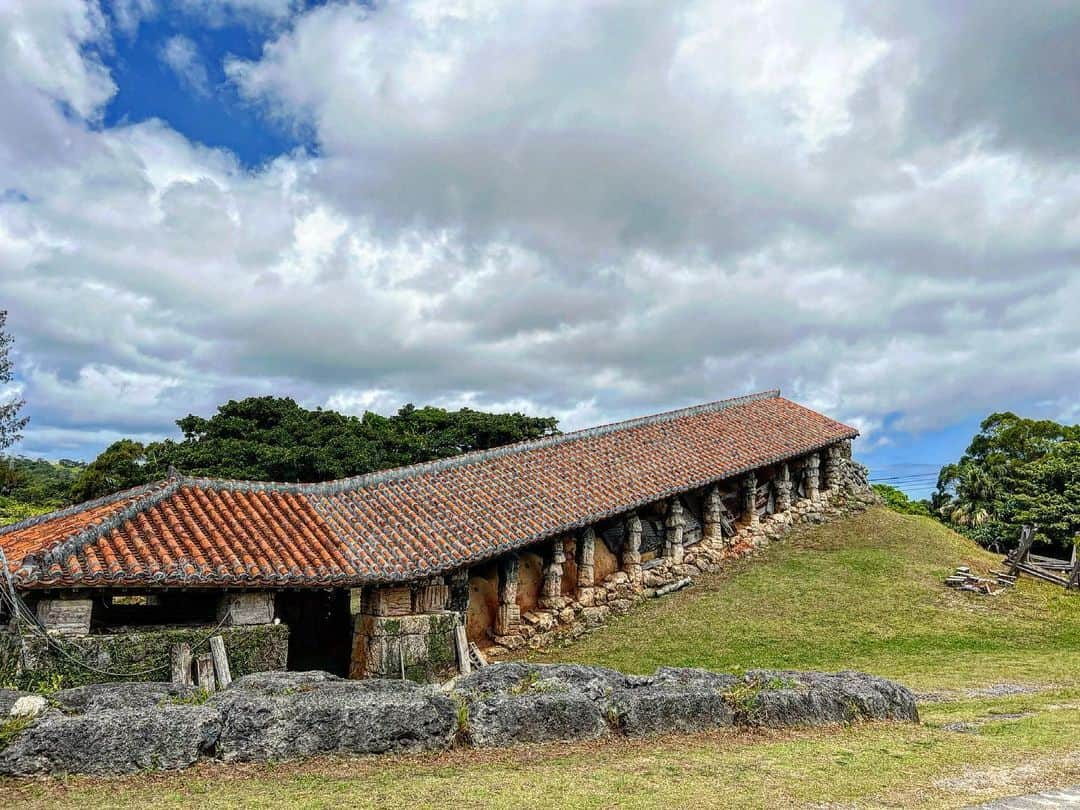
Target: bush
900,502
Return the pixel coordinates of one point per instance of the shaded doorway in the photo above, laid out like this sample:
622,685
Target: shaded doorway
320,629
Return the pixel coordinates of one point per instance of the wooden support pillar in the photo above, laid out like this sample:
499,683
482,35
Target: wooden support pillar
508,617
673,537
586,566
551,591
749,499
631,553
783,488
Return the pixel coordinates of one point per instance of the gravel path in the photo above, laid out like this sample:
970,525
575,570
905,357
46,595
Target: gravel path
1067,797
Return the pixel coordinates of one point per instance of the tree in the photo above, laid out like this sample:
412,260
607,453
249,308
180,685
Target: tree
898,501
11,424
1015,471
275,439
121,466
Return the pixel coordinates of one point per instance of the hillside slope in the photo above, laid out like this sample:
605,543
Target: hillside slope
865,593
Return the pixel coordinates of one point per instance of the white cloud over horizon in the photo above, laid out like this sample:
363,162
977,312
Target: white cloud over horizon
592,211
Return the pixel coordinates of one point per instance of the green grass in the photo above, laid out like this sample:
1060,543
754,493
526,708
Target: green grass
866,593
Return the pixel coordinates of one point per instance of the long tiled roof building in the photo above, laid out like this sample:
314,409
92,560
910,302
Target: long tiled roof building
430,527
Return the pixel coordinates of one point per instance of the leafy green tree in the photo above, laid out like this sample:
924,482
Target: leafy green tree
1015,471
121,466
11,424
275,439
898,501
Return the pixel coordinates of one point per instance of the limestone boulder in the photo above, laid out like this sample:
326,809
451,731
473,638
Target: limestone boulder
113,741
282,682
8,698
333,716
97,697
787,699
534,717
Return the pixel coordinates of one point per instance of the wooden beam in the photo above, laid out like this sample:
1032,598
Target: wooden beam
1027,538
461,643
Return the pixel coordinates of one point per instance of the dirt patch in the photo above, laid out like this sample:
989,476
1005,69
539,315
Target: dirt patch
1010,780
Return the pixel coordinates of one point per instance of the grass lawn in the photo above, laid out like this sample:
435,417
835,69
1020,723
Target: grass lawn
862,594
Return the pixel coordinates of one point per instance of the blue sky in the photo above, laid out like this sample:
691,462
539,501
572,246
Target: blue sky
216,115
592,211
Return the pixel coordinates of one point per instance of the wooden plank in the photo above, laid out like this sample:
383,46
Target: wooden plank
1027,538
221,661
1038,573
181,663
1074,574
461,642
204,668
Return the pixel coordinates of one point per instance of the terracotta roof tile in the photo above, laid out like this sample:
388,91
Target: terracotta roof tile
409,522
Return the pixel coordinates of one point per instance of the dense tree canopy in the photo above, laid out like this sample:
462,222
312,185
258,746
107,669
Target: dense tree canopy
275,439
1015,471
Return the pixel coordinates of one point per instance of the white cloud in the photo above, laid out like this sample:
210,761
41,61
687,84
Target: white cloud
182,57
592,211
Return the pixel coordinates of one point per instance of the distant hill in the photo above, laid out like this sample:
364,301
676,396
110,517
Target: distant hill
32,486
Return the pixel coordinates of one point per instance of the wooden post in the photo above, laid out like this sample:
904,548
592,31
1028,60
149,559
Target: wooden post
783,488
1027,538
749,499
461,642
1074,576
221,661
204,667
181,664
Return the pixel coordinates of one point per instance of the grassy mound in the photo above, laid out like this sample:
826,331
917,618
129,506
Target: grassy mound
865,593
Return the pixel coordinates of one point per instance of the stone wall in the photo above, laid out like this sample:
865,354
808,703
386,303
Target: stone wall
418,646
251,648
835,486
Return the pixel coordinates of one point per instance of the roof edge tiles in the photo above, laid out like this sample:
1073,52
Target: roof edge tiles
475,456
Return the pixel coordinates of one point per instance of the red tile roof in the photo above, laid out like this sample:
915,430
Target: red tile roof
410,522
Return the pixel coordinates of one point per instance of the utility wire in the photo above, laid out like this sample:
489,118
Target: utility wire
19,610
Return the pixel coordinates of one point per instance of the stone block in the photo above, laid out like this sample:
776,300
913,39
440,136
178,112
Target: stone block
65,617
388,601
250,607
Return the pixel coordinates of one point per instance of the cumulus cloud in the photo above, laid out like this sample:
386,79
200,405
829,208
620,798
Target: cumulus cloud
181,55
592,210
